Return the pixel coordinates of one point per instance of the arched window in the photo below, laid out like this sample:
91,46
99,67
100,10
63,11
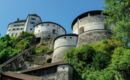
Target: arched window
81,30
49,60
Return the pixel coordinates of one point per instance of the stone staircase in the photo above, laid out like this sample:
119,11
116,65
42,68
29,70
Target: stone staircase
18,61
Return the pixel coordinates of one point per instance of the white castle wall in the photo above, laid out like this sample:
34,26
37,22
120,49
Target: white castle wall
89,23
62,44
31,22
49,30
14,29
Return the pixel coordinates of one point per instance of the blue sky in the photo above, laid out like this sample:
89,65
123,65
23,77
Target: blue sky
62,12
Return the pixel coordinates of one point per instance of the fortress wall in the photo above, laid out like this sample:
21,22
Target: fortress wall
62,44
48,31
93,37
89,23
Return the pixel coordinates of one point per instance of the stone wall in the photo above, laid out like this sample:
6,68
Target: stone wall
93,37
56,71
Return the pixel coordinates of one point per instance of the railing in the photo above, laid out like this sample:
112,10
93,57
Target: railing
25,52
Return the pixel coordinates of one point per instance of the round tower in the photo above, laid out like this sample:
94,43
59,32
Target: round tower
90,27
62,44
48,30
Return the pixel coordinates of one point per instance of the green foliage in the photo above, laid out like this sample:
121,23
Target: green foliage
42,48
119,13
11,46
106,60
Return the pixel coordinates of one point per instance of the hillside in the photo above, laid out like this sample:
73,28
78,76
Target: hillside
11,46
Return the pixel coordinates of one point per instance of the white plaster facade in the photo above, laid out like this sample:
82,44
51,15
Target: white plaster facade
14,29
89,22
28,25
62,44
49,30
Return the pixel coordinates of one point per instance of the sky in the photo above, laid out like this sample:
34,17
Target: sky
62,12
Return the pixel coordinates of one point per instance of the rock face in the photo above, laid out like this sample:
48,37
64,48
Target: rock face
93,37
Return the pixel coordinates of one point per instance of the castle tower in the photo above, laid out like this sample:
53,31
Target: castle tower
62,44
48,31
90,27
31,22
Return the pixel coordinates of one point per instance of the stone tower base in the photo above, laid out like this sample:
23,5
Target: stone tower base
93,36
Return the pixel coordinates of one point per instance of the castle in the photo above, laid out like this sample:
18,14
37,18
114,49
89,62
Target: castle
88,27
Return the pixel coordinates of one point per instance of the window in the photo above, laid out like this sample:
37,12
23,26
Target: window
33,19
13,29
30,28
54,31
65,37
32,22
17,28
105,26
81,30
49,36
70,37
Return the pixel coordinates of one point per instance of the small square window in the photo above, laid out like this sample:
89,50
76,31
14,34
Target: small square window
30,28
32,22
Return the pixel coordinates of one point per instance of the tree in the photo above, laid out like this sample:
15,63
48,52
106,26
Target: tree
119,14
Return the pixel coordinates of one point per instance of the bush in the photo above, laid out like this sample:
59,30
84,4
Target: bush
11,46
106,60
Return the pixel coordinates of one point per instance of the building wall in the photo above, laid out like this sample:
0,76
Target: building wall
31,22
93,37
15,29
61,45
89,23
48,30
64,72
